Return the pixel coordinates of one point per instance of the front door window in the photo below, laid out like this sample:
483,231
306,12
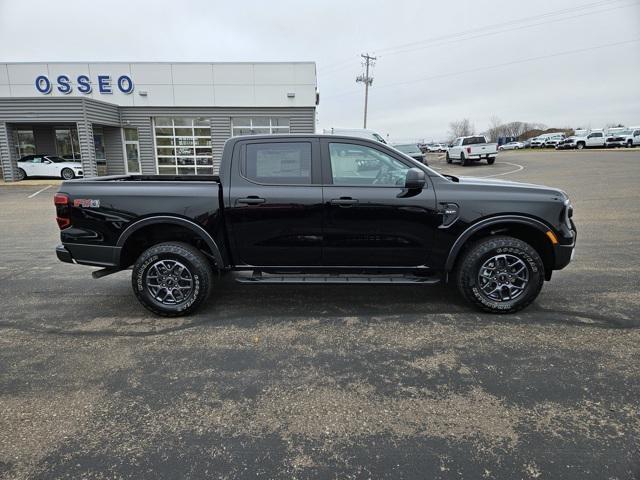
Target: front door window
353,164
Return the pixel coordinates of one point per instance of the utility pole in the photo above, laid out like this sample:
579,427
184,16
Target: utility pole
369,61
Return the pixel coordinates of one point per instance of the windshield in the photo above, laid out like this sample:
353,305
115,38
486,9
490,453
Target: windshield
623,132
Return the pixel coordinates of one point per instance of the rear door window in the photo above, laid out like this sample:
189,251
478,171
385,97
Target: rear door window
278,163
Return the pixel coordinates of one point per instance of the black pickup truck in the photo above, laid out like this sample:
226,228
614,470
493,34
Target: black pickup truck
316,209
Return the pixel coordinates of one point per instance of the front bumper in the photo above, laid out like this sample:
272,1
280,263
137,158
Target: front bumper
563,254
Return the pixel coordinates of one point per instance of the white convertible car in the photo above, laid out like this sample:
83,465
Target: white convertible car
48,166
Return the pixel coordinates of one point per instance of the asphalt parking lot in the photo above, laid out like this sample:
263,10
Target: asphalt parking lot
329,382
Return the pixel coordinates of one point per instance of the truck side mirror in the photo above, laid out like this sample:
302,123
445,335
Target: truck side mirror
415,179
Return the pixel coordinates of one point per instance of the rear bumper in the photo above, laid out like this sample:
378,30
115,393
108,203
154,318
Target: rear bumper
63,254
94,255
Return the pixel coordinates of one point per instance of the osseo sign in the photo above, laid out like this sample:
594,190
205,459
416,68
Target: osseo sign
103,84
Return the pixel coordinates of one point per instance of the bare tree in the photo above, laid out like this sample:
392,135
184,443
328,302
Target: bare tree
494,128
460,128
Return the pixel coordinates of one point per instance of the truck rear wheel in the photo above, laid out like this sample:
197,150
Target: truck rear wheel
172,279
500,274
463,160
491,160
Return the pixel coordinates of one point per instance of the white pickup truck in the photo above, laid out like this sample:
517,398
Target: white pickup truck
473,148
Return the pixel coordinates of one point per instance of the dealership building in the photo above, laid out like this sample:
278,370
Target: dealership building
148,118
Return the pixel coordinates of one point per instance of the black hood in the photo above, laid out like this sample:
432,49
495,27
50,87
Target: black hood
494,182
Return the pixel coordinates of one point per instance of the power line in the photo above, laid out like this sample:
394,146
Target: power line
504,30
369,61
527,19
490,67
459,36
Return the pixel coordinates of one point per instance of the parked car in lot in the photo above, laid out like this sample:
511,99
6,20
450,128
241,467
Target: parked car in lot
614,140
511,146
594,139
48,166
567,143
399,223
411,149
537,142
631,136
552,140
436,148
473,148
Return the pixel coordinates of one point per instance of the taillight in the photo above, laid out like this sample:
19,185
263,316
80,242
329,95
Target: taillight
468,149
61,201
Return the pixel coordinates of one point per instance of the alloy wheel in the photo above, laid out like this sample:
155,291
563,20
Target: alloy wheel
169,282
503,277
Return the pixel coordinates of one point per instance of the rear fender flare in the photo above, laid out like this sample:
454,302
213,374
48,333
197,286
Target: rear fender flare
462,239
194,227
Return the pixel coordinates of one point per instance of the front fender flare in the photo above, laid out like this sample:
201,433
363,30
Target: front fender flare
462,239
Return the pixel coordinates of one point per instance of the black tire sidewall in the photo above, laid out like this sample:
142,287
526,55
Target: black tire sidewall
478,254
186,254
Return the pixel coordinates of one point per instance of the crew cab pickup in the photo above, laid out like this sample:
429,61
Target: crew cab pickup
316,209
474,148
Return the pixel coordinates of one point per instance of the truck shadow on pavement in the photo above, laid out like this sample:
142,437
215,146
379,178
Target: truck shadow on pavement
244,306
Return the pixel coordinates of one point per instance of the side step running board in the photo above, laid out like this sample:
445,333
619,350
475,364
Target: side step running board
337,279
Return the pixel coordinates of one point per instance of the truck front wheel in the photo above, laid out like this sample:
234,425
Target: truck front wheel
172,279
500,274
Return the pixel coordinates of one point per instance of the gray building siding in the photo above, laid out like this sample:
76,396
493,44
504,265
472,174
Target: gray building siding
8,167
113,150
85,113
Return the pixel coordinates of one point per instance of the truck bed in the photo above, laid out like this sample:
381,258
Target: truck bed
149,178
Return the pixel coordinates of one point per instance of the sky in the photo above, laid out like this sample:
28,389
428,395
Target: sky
563,63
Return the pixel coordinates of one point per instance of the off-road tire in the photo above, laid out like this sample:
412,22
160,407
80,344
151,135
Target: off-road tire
468,268
463,160
491,160
67,176
448,158
22,175
190,257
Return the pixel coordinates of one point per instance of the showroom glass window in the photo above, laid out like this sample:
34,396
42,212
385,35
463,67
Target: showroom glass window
24,142
183,145
259,125
132,149
67,144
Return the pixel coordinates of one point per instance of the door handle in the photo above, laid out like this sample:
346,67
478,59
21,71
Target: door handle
344,201
253,200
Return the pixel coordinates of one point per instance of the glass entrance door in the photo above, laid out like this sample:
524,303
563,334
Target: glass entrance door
132,149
